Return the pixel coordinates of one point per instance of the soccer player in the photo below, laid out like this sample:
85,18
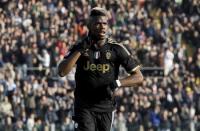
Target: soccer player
97,58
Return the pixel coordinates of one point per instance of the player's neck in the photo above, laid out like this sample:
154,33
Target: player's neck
100,43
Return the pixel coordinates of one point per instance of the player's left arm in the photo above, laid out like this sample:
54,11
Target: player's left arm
126,60
133,79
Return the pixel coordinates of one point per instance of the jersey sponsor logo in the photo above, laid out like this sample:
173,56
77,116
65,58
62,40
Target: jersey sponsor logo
97,67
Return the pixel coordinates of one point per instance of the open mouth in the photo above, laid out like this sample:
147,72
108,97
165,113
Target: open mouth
101,32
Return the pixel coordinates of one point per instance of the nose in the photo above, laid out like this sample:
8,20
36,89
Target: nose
103,26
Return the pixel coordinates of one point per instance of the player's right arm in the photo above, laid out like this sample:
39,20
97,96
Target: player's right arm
65,66
68,63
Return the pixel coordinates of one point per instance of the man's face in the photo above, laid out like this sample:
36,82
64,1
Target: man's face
98,27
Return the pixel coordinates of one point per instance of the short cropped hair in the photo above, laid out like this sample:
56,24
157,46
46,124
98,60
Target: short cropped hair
98,11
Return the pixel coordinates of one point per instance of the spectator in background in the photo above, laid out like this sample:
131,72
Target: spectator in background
6,108
168,60
67,125
133,122
120,122
31,122
1,61
44,58
51,118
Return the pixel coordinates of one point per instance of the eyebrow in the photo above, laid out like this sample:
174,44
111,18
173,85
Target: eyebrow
99,22
99,19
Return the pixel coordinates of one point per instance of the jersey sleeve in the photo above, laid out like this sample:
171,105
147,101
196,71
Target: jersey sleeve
71,51
75,47
125,58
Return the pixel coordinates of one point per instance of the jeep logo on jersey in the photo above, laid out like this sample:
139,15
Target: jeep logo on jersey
97,67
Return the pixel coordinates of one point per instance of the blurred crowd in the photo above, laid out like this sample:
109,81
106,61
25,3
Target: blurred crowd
36,34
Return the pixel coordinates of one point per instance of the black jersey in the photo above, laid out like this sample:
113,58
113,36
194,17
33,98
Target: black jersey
96,70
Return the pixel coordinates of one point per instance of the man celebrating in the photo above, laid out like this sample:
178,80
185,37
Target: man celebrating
98,58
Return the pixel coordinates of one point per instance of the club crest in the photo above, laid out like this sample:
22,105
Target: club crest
108,55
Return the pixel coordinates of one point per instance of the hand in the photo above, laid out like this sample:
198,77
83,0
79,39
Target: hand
83,46
113,85
111,88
